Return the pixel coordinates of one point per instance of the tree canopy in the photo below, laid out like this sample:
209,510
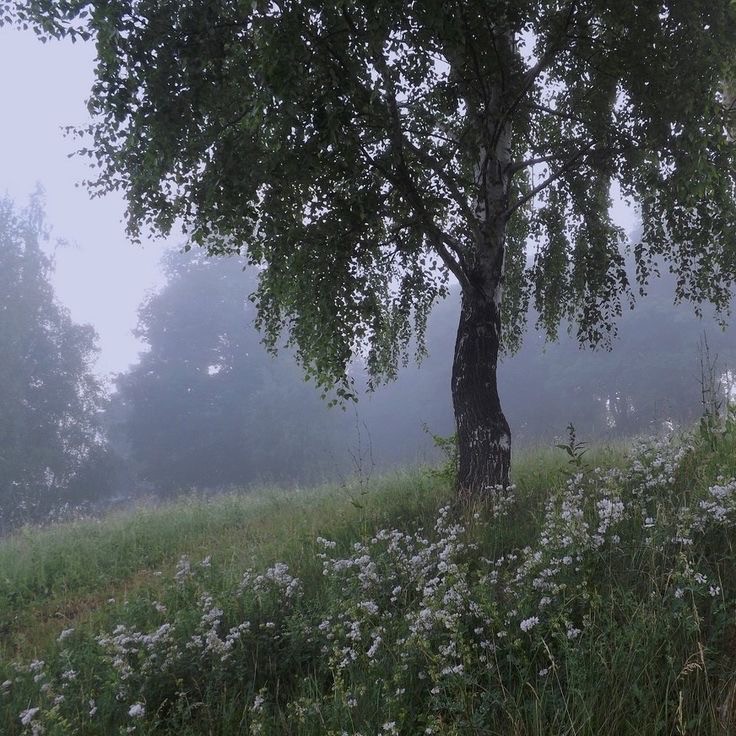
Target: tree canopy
361,153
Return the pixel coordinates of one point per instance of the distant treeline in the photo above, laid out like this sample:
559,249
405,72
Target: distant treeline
207,407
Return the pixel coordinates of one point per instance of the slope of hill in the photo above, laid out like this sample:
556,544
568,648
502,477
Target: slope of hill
596,597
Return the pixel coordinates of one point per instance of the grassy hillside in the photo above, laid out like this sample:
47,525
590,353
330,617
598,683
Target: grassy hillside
598,597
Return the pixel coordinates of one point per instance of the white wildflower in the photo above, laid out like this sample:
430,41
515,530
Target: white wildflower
258,703
369,607
28,715
137,710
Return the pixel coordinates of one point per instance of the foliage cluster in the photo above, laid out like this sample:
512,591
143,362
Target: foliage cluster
598,600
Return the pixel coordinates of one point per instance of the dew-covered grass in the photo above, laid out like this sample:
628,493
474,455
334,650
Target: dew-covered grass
595,597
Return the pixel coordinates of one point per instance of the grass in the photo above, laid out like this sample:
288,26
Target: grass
439,626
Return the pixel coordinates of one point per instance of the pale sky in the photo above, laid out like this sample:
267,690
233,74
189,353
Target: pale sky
100,276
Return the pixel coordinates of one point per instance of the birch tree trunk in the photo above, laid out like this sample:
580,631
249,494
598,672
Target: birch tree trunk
484,439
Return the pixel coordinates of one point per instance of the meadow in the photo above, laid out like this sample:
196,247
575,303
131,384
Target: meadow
596,596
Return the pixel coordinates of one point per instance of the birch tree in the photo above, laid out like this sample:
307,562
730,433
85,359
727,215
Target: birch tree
363,153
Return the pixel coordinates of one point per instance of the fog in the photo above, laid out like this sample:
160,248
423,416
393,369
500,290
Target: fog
100,276
186,397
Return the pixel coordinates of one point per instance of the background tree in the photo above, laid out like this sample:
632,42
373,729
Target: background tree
49,434
207,406
361,152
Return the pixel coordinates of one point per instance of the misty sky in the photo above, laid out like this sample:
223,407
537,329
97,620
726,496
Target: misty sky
100,275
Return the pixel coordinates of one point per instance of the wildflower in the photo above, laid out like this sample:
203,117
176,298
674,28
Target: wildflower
529,623
371,653
28,715
137,710
369,607
183,569
65,634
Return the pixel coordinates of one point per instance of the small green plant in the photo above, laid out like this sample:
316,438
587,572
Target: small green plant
447,445
574,448
711,392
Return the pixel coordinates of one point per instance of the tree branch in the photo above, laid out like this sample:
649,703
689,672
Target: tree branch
440,240
556,113
568,166
532,74
446,179
519,165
